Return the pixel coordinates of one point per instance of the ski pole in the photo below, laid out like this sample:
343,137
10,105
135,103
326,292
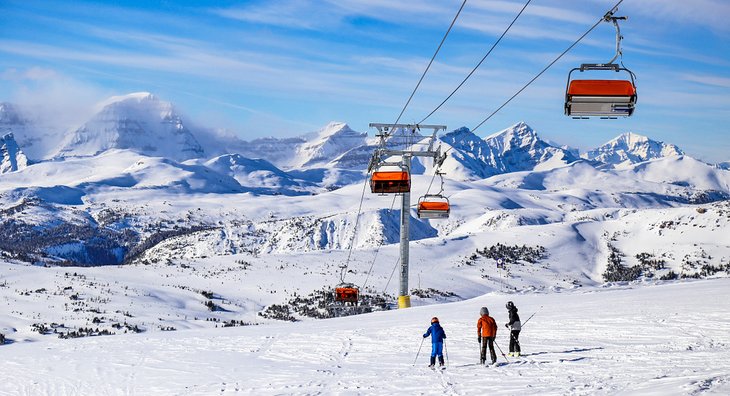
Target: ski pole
500,350
447,353
419,351
528,319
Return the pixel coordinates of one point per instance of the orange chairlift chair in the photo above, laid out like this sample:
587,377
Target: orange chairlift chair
347,293
433,206
602,98
390,179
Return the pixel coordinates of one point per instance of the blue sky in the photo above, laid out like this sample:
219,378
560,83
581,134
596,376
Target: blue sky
283,68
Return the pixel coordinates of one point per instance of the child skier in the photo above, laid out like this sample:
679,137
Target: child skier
437,334
515,326
486,332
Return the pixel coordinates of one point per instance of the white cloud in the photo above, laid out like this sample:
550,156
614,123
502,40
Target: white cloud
34,73
55,99
713,14
714,81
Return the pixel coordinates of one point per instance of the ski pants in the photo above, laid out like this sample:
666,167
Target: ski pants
437,349
514,341
488,341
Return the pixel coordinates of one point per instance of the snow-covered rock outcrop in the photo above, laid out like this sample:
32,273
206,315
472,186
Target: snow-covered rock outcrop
11,156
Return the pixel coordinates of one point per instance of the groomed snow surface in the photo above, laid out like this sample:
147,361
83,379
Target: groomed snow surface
659,338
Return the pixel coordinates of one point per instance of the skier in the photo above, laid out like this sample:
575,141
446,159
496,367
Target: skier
515,326
437,334
486,332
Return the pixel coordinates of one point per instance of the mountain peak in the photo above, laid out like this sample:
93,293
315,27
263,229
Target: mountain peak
139,122
334,128
134,97
631,148
518,128
330,142
631,138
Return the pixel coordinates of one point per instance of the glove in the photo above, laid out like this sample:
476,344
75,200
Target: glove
479,339
424,336
506,325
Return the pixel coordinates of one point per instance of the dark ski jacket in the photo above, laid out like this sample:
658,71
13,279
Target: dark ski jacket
514,320
436,332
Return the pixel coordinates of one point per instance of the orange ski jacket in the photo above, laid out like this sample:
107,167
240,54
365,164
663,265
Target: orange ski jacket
486,326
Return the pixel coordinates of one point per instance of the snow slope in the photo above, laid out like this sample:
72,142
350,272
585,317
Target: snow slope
663,339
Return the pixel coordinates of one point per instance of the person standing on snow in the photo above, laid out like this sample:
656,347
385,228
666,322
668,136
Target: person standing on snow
486,332
437,334
515,326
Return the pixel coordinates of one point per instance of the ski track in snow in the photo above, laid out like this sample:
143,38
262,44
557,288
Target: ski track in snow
665,339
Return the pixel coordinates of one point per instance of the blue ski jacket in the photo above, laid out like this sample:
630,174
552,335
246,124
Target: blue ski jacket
436,332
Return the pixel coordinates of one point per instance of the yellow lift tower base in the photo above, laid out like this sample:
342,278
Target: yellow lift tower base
404,302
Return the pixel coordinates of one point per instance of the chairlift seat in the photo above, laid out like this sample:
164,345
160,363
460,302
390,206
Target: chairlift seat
601,98
347,293
390,182
430,208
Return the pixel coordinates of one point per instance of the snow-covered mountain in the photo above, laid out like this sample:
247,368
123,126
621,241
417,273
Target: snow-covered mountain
12,157
514,149
519,148
329,143
630,148
328,148
139,122
260,175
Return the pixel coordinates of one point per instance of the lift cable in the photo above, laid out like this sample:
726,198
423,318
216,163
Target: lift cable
349,254
430,62
362,198
478,64
603,18
377,251
343,268
391,275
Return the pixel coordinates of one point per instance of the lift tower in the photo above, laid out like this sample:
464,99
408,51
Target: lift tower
386,155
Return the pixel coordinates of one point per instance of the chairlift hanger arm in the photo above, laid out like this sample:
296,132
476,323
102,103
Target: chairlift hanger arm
614,19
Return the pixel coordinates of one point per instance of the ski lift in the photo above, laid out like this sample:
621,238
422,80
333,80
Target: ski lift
347,293
390,179
602,98
433,206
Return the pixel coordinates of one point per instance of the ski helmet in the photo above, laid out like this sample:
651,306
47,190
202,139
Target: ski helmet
484,311
434,320
510,305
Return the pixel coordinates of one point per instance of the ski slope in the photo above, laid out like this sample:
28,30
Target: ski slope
658,338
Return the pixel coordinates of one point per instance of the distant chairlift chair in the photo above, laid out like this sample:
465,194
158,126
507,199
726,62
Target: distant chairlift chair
347,293
433,206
